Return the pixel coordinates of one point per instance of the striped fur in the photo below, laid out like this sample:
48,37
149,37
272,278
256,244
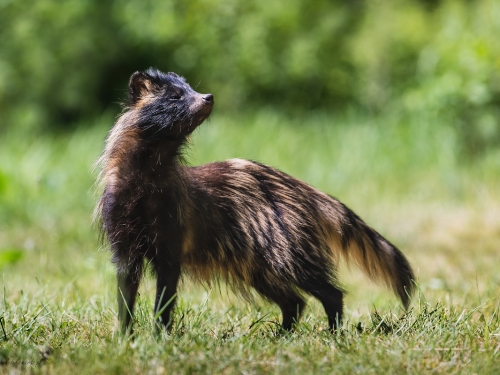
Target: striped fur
240,221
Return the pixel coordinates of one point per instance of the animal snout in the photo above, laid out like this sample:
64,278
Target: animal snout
208,99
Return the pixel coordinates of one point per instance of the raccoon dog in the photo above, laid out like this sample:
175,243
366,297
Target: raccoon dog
237,220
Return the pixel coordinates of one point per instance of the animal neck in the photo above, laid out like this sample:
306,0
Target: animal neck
134,163
159,161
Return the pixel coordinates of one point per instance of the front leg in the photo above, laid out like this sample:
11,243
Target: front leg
167,278
128,284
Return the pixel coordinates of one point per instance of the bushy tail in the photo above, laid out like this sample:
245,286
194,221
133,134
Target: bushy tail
380,260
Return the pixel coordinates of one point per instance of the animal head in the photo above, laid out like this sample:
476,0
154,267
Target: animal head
165,105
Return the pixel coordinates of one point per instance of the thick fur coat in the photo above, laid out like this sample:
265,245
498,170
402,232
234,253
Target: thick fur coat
241,221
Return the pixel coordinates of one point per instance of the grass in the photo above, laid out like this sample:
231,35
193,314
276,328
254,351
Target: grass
406,177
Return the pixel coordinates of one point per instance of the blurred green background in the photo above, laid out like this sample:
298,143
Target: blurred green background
393,106
62,63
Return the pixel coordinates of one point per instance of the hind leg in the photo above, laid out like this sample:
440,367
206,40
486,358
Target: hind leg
290,303
330,297
291,309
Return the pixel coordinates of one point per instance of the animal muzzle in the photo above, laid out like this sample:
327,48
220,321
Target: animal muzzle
202,107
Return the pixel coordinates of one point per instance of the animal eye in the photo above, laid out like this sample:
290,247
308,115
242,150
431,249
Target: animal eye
175,97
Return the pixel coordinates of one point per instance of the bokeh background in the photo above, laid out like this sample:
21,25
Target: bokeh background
391,106
63,63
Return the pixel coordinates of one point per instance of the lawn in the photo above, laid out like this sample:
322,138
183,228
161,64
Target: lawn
409,178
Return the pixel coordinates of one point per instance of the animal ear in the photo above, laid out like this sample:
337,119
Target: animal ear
138,86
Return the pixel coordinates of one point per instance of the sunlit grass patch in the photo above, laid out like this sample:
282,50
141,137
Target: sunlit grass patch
211,337
405,177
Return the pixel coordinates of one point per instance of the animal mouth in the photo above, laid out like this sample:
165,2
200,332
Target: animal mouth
202,115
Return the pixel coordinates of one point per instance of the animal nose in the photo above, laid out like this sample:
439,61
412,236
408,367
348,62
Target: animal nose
208,98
